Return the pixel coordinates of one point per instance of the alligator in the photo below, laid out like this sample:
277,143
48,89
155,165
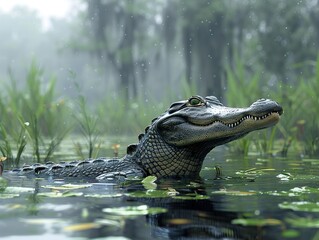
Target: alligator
174,145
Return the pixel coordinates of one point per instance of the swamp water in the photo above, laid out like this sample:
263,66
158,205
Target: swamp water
254,198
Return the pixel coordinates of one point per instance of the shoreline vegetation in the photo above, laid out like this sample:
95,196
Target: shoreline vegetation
35,117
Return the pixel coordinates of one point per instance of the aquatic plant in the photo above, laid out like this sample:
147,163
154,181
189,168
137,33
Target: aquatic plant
238,81
298,126
50,120
309,128
18,138
35,104
88,126
48,125
265,142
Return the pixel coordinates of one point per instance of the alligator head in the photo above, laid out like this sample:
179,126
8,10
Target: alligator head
177,142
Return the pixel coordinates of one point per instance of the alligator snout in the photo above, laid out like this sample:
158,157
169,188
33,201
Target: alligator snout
267,104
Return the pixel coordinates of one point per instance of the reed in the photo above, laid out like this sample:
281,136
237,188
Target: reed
87,123
34,104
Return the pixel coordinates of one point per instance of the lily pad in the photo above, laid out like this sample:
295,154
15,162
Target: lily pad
154,193
111,222
285,176
303,222
235,193
191,196
8,195
134,210
290,233
104,195
60,194
294,192
282,193
41,221
149,182
18,190
257,222
67,186
82,227
303,206
254,172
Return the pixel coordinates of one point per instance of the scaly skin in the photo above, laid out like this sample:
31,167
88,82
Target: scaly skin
176,142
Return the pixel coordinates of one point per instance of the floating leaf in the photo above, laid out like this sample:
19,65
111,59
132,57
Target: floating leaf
290,233
8,195
172,192
110,222
303,222
191,196
68,186
59,194
149,182
134,210
301,206
104,195
296,191
234,193
282,193
82,227
149,194
253,172
41,221
18,190
299,189
285,176
257,222
149,179
154,193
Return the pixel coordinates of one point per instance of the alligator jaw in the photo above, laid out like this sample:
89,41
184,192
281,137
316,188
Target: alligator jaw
246,121
218,124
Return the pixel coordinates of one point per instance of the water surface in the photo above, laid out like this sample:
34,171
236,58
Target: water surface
253,198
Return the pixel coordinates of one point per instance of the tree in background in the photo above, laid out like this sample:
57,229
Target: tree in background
288,36
140,46
204,41
119,31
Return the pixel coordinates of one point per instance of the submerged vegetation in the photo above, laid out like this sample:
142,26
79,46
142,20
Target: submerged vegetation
34,117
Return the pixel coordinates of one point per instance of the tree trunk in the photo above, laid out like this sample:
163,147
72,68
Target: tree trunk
187,41
210,44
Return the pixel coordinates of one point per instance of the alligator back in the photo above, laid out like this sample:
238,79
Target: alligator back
91,168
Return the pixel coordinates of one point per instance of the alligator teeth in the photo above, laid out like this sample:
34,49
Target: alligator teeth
235,124
256,118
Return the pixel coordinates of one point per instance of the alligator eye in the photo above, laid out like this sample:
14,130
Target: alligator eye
195,101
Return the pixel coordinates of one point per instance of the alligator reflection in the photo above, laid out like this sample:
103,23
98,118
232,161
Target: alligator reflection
197,219
194,219
185,219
